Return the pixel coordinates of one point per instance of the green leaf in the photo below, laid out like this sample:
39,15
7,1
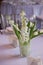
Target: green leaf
35,30
28,24
31,29
36,35
17,32
31,33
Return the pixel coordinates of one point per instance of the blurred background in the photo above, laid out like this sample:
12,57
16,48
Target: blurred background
10,10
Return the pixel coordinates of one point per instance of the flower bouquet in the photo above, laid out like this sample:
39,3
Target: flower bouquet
25,33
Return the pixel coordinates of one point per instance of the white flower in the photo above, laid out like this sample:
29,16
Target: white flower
41,30
31,24
25,34
16,26
33,17
22,13
36,33
25,37
11,22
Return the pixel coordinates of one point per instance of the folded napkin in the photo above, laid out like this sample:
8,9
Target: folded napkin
9,29
13,39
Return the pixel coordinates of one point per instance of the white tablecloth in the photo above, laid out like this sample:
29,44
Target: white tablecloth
36,51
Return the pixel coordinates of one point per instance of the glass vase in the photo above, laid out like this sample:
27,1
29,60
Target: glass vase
24,48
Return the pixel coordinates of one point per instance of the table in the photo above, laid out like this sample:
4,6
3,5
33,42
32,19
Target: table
36,51
19,61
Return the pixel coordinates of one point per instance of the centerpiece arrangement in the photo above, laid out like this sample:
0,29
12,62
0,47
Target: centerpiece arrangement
25,33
